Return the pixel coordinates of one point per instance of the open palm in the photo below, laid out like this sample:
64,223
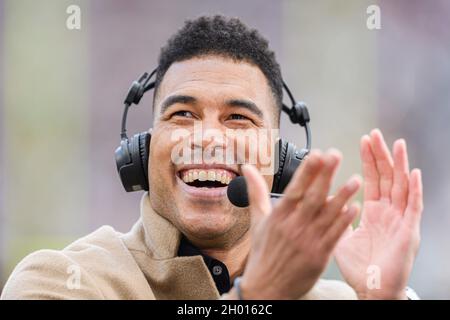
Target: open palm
377,257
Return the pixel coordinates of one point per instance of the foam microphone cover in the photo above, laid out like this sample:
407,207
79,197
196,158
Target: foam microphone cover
237,192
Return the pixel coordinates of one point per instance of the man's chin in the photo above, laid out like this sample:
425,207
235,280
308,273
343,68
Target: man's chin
207,225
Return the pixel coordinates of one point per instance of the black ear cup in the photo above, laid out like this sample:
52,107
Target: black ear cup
280,157
289,159
132,162
144,149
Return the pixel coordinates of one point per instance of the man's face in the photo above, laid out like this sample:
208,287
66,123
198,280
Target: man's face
200,104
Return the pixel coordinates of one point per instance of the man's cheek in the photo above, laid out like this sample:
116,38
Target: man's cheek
258,149
159,165
266,153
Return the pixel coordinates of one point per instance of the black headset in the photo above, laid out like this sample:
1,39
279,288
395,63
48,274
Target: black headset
132,154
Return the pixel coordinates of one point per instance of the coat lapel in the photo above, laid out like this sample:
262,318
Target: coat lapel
154,243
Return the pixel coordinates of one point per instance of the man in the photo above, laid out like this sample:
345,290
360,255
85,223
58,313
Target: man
192,243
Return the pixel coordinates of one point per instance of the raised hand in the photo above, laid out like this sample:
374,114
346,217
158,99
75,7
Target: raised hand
293,241
377,257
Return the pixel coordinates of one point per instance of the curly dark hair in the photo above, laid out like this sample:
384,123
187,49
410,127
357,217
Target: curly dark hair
227,37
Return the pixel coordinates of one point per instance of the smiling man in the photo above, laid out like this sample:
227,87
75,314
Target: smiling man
192,243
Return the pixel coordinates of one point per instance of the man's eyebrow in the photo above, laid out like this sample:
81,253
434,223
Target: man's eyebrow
249,105
176,99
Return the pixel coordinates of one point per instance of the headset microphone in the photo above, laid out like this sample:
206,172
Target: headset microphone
237,192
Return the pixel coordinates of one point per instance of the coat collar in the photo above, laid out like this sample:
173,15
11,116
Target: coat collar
153,241
162,238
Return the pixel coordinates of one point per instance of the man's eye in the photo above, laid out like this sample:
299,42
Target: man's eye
183,113
238,117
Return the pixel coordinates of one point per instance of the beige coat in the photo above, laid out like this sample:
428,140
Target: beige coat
141,264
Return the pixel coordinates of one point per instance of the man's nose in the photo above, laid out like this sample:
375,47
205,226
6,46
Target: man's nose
209,133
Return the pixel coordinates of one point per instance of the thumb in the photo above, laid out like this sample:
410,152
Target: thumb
258,193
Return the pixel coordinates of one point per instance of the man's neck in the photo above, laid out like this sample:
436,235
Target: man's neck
235,257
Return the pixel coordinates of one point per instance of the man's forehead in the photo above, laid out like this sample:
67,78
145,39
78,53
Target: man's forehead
215,72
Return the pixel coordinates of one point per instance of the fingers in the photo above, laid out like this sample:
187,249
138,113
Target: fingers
316,194
338,203
384,163
258,193
331,197
413,212
304,175
399,193
370,171
301,180
340,226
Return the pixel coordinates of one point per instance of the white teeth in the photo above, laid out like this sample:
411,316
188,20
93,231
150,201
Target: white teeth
211,175
202,175
222,176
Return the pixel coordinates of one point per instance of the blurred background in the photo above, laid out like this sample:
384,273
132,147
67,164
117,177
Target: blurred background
61,94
